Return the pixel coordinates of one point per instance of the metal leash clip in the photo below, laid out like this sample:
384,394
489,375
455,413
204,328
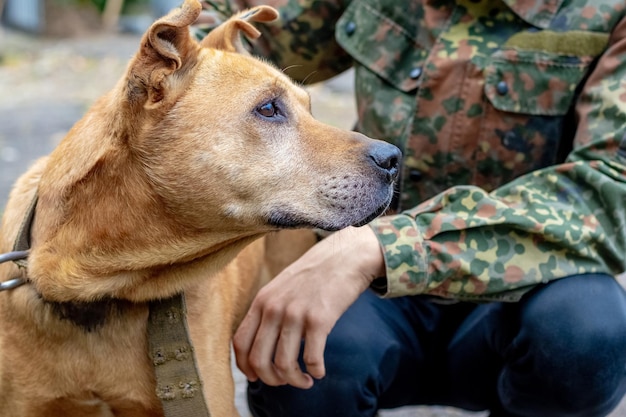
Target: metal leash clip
12,256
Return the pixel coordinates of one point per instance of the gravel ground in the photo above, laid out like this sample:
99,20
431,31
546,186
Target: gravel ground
47,84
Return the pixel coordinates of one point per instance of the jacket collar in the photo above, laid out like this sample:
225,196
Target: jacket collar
538,13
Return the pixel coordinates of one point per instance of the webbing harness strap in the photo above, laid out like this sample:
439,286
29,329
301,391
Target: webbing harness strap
179,386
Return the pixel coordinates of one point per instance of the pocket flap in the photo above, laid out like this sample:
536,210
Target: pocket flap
534,82
380,43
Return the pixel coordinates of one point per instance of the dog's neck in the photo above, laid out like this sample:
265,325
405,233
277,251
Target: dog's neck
139,265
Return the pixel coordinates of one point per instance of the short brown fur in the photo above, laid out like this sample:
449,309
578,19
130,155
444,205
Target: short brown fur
164,181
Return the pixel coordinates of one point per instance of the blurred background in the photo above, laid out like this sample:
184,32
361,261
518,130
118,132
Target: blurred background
58,56
75,17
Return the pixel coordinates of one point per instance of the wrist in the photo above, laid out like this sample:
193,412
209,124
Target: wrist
368,253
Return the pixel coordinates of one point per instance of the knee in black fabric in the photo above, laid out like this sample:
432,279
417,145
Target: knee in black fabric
569,357
577,319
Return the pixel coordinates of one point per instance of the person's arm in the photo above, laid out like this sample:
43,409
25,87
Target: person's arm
301,42
563,220
303,303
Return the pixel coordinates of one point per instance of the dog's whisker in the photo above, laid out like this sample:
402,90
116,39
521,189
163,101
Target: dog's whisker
288,67
308,76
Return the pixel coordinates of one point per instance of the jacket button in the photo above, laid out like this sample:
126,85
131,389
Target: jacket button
415,73
350,28
502,88
415,175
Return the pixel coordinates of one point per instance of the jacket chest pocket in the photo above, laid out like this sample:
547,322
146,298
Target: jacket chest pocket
528,122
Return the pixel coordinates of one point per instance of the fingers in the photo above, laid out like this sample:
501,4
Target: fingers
269,349
243,341
313,354
262,352
287,353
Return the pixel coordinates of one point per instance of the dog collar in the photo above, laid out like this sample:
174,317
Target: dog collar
23,239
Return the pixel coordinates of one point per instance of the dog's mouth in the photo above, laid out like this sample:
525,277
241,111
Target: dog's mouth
380,210
288,219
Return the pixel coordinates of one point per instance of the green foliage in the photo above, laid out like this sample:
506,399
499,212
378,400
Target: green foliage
128,4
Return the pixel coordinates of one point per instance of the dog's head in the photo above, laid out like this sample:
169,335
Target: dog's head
238,145
199,147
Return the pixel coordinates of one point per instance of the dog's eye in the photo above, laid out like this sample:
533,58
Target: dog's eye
271,111
267,109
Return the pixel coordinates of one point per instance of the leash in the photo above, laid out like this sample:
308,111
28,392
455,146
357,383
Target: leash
179,386
21,247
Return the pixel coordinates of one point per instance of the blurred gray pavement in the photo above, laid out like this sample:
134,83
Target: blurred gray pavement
47,84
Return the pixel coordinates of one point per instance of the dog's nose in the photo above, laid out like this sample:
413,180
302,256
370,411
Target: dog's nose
387,158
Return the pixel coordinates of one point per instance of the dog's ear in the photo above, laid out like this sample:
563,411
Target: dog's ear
170,37
165,48
227,36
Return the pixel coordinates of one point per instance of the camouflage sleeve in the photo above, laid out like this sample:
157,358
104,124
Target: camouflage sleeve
301,42
568,219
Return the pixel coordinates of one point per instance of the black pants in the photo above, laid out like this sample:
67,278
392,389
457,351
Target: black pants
560,351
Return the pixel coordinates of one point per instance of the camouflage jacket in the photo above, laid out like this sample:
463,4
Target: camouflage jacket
486,98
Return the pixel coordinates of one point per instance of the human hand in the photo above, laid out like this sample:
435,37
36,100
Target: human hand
303,303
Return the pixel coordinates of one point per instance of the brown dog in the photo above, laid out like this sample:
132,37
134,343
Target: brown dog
195,154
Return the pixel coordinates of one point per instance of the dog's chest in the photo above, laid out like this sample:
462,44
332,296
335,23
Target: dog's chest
80,360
